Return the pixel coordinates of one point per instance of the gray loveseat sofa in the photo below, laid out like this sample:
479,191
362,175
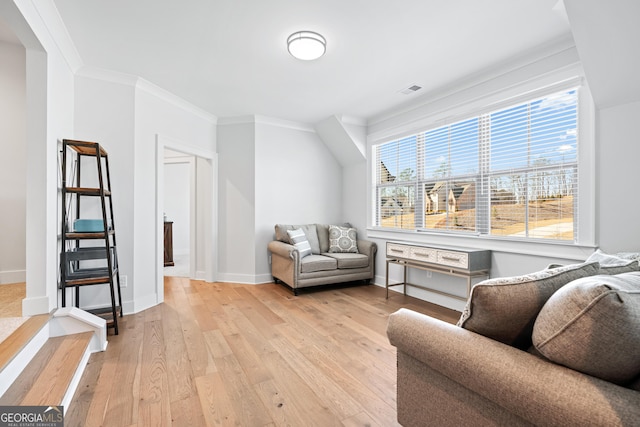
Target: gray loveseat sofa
568,356
326,264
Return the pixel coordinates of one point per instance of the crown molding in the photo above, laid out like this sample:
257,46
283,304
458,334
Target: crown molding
165,95
146,86
54,25
105,75
265,120
288,124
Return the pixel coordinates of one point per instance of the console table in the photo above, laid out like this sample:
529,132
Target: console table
453,261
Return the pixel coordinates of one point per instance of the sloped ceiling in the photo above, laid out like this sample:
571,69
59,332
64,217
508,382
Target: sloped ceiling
230,58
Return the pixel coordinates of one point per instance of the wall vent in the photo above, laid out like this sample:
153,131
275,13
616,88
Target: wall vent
411,89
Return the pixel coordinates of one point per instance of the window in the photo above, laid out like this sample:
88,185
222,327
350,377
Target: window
506,173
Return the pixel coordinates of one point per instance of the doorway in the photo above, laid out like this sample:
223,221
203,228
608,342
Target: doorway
179,213
202,239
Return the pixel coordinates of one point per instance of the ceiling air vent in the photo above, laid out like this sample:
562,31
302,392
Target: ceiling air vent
411,89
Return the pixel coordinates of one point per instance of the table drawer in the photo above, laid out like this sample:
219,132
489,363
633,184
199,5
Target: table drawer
423,254
397,251
453,259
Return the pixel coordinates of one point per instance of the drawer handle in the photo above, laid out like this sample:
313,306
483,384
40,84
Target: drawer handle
422,255
451,258
397,250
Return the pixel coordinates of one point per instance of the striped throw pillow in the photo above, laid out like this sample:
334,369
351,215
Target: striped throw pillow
300,241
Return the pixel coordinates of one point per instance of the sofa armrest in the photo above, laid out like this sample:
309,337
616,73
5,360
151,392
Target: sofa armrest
285,250
530,387
367,247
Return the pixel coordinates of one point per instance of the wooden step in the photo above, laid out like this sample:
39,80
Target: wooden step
15,342
47,378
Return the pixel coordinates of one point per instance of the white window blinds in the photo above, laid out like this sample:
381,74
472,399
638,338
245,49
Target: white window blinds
511,172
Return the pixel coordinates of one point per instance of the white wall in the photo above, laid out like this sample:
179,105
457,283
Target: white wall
104,113
13,162
270,171
618,174
236,201
354,200
298,181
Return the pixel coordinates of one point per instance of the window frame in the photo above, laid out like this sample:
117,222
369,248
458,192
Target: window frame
492,101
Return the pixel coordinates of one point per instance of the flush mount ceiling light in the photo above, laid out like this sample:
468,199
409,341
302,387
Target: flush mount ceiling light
306,45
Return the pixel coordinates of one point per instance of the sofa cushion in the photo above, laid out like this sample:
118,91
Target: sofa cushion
299,241
323,237
614,264
505,309
313,263
342,239
350,260
309,230
592,325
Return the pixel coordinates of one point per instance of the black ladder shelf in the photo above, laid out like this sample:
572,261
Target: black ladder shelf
82,264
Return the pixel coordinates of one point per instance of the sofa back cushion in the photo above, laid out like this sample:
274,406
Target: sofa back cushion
592,325
505,309
323,237
309,231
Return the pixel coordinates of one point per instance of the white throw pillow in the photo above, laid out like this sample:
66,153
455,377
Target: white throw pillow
300,242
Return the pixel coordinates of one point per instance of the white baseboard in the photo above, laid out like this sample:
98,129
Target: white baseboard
263,278
141,303
245,279
36,305
13,276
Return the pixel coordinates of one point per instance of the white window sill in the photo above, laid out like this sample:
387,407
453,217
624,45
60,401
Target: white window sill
551,249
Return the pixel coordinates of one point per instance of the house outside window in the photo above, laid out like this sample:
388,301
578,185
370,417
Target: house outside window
509,173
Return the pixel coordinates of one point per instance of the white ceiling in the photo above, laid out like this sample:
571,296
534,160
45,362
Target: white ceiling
230,58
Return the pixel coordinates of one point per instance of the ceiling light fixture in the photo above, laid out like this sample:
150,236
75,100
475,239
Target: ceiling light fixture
306,45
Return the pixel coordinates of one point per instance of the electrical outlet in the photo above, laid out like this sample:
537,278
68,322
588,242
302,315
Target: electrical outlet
123,281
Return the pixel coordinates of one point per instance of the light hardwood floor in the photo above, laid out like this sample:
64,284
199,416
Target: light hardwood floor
11,296
226,354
